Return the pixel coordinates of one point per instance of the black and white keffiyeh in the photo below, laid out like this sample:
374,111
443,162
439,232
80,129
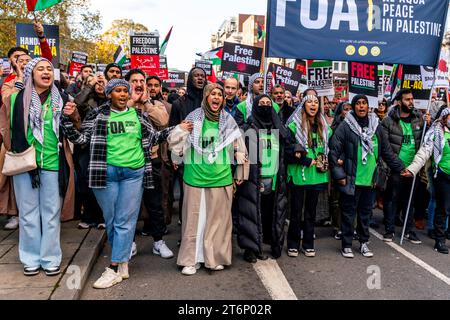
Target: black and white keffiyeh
228,132
436,136
301,135
31,99
365,134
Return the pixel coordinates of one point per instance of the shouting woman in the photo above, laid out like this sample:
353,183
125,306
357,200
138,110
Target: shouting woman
209,151
120,168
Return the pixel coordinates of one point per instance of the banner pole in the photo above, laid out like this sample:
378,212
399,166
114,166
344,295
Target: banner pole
382,85
415,177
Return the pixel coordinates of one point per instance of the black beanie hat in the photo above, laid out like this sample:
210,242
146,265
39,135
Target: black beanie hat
112,65
356,98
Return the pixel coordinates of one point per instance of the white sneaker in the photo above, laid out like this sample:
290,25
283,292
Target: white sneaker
123,270
218,268
108,279
365,251
190,270
133,250
161,249
12,224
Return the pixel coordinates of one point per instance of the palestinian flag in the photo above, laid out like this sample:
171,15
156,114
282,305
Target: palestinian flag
35,5
119,56
162,50
214,55
261,32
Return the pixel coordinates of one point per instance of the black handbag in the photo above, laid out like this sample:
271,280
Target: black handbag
382,175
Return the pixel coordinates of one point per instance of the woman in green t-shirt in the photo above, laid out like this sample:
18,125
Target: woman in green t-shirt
120,168
208,182
34,114
307,172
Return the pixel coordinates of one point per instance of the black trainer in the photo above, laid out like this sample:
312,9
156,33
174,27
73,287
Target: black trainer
388,237
441,247
250,256
31,271
412,237
53,271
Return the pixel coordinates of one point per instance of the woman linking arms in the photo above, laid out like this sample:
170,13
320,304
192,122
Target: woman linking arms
119,168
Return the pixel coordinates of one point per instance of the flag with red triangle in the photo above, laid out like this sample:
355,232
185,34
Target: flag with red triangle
35,5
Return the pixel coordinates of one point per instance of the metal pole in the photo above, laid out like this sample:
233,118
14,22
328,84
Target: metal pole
382,85
414,179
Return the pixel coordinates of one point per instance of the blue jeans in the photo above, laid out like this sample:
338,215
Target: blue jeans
39,220
121,202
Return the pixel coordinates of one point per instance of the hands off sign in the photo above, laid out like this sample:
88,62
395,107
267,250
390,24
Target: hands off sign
240,58
27,38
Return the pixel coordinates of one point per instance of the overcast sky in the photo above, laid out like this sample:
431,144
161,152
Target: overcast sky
193,21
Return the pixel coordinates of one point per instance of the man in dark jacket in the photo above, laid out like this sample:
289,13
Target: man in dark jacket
354,151
403,128
191,100
155,93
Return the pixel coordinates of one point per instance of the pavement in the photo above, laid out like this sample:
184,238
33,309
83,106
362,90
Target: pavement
80,250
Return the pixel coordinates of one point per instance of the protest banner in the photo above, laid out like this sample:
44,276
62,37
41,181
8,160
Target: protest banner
357,30
412,79
100,68
205,65
289,78
163,68
384,75
26,38
78,60
241,58
320,77
363,79
145,52
176,80
300,65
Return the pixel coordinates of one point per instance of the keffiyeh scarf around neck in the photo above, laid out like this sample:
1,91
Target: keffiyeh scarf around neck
365,134
228,132
31,99
436,136
301,135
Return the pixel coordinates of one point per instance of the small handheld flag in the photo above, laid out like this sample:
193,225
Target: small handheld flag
36,5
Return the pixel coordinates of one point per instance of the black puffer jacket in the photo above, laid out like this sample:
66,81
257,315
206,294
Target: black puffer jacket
393,130
187,103
344,145
248,203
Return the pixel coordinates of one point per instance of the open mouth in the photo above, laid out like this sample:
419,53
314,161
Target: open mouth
215,106
139,89
122,101
46,78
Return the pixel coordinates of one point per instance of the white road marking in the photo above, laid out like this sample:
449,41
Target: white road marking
414,259
274,280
